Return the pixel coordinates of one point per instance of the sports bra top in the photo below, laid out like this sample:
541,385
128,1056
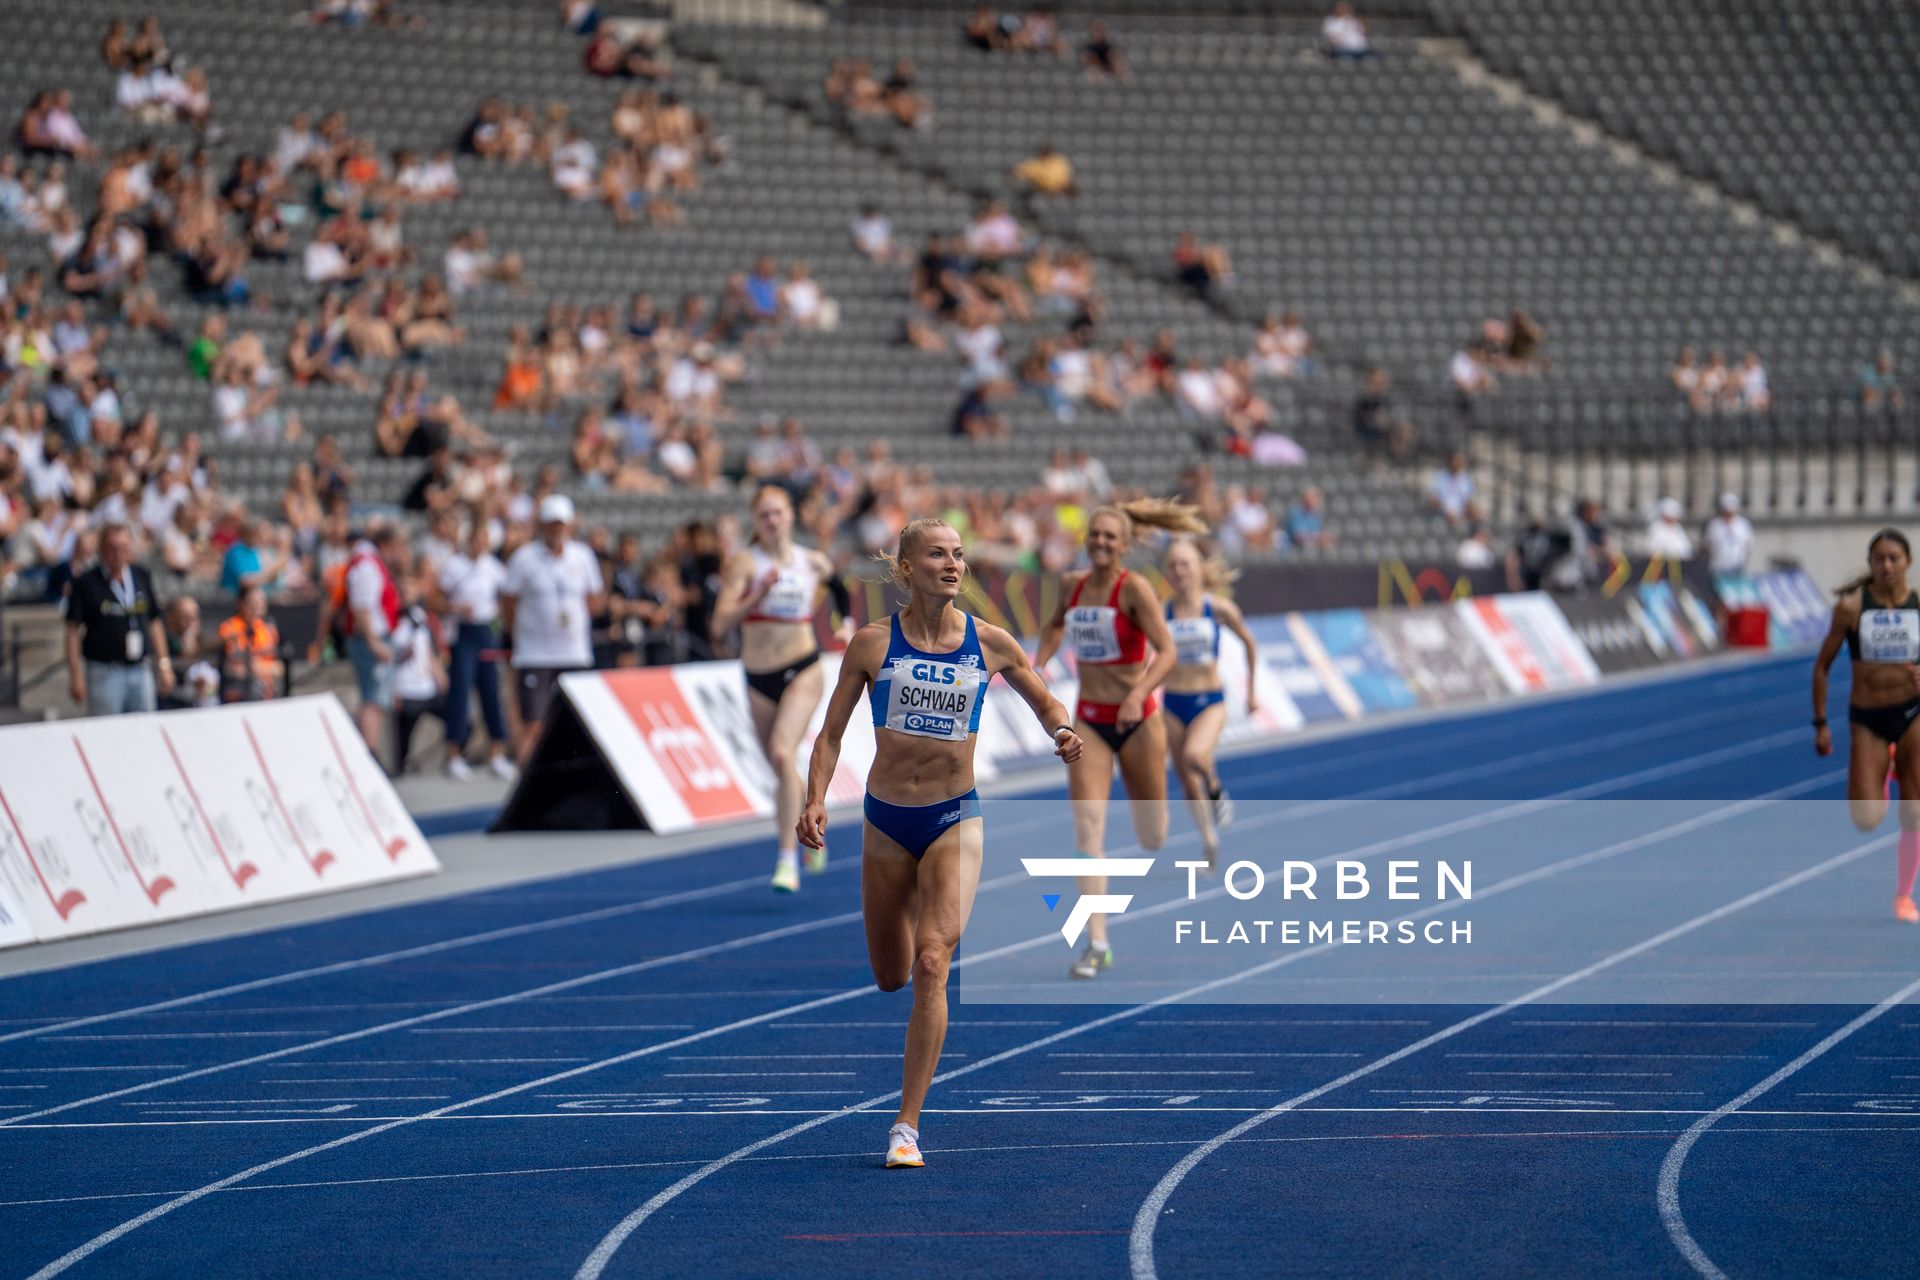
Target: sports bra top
791,597
1102,634
1886,635
930,695
1195,640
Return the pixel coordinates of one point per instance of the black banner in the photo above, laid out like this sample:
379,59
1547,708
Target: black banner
1437,656
1617,631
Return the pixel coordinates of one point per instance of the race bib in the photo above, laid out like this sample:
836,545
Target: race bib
1193,640
1890,635
934,699
789,598
1093,633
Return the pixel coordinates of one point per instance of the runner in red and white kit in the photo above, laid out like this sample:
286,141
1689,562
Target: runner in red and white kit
1110,618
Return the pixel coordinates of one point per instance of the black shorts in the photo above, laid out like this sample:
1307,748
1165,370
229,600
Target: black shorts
1889,724
535,689
772,685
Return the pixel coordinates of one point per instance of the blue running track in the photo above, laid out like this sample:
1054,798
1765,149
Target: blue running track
661,1070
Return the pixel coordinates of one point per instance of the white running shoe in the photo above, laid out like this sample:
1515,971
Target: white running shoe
459,770
504,769
1223,810
903,1147
786,875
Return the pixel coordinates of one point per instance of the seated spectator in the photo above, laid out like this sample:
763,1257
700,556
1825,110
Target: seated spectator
1250,526
1198,391
1383,431
873,235
469,265
1685,374
433,489
994,233
1038,32
903,98
1755,395
975,417
1203,268
1879,384
1343,36
1046,173
984,32
581,17
50,128
317,355
253,561
1451,493
1524,342
1098,56
573,166
1283,348
523,380
250,663
802,302
1307,521
250,413
1716,387
116,46
1467,372
850,85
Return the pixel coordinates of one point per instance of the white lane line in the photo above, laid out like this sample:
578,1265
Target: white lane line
545,1170
186,1035
505,1031
747,1075
1690,1023
1573,1107
279,1080
137,1066
1580,1073
1490,817
796,1057
1667,1190
85,1250
1147,1219
1207,1056
642,966
305,1065
757,883
596,1261
261,1102
1600,1057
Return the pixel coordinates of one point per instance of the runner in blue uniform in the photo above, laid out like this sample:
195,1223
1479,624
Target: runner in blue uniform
1195,701
925,672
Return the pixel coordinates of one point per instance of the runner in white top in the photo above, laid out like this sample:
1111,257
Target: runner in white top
770,590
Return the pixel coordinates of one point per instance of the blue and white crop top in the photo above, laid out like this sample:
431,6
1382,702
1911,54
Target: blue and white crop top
930,695
1196,640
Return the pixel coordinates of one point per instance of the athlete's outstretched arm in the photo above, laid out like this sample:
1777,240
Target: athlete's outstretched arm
1056,629
1143,607
1845,615
857,666
738,593
1009,660
1233,620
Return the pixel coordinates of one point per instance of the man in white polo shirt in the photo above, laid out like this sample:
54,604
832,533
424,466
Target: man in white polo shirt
553,588
1729,538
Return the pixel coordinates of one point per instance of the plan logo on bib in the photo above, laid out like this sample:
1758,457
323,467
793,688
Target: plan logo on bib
1083,908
